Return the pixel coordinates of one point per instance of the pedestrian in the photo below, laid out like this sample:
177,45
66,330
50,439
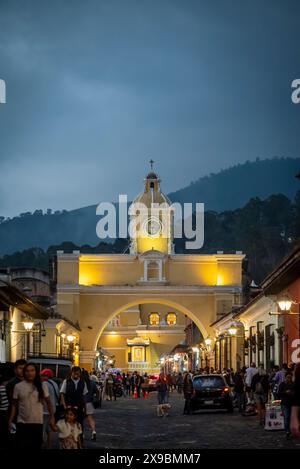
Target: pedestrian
124,384
162,389
145,385
127,385
174,380
169,382
69,430
278,379
274,387
138,383
188,389
179,383
92,390
280,375
46,377
132,382
73,391
109,387
260,389
250,372
28,398
295,414
19,376
4,405
286,394
239,390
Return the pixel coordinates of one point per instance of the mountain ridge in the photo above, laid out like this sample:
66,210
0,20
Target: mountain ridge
226,190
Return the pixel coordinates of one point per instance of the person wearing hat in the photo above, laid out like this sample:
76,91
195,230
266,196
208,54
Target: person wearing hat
46,377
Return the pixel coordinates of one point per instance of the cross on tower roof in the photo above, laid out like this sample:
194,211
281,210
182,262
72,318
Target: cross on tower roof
151,164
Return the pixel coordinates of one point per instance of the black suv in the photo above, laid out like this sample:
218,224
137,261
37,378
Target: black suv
211,392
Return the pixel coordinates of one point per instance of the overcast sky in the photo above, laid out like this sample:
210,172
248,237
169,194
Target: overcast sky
97,87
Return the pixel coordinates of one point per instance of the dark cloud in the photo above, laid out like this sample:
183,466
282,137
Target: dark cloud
95,88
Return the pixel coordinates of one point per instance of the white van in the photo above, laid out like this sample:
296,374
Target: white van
60,366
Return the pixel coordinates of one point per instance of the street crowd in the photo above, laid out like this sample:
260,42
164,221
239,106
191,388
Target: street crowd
251,389
34,405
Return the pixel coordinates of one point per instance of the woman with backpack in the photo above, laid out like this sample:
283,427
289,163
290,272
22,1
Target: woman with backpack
260,388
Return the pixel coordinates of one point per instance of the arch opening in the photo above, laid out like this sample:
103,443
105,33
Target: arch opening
165,302
132,339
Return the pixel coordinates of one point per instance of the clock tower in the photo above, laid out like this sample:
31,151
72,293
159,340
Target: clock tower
151,219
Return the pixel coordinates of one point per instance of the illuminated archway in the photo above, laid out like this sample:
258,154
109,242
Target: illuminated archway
159,301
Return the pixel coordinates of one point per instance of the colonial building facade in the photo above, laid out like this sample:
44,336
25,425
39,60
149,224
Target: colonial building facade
136,305
266,330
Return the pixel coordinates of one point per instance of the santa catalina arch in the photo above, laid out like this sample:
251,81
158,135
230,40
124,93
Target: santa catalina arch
149,282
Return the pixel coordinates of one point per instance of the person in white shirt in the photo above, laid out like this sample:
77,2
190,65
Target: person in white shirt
250,372
73,391
28,398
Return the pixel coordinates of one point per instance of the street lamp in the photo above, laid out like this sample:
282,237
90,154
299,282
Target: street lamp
232,330
28,325
195,361
206,348
284,303
208,341
71,338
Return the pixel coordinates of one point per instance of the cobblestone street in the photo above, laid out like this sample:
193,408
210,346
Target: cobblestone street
133,423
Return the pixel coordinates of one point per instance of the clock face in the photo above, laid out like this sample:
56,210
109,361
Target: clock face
152,227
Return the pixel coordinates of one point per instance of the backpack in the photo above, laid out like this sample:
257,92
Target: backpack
259,388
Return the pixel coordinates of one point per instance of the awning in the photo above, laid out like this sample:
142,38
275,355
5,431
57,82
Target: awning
10,295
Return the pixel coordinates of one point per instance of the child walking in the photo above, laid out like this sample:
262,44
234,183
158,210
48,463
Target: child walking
69,430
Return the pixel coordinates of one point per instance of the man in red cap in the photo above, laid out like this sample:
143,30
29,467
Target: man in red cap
46,376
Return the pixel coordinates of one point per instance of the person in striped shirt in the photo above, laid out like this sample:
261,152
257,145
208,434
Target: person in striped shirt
4,404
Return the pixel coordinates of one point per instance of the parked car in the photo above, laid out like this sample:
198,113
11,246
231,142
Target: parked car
152,383
211,392
60,366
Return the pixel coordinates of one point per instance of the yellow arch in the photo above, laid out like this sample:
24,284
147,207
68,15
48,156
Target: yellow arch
162,301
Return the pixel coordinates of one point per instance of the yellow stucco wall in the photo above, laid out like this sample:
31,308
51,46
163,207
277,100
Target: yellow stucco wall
93,288
109,270
128,269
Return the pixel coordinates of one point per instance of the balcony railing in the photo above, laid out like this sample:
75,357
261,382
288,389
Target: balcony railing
136,366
